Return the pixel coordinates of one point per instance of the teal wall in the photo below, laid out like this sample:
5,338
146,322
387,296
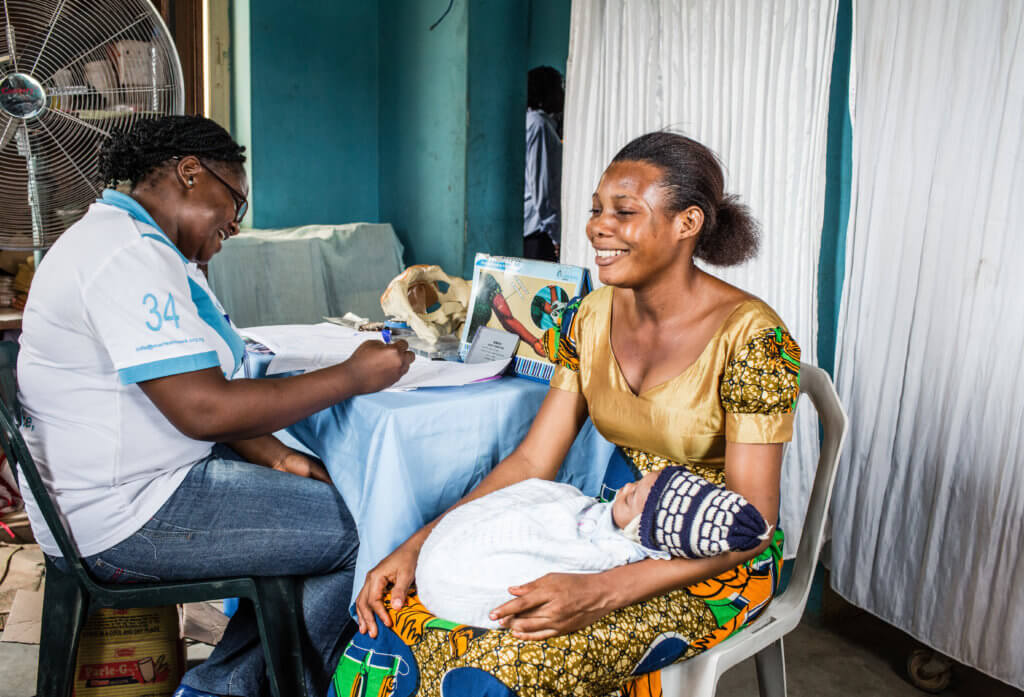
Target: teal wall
423,103
838,173
548,39
359,111
314,96
451,128
496,148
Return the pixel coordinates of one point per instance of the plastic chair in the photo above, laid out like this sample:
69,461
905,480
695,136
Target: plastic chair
69,598
762,639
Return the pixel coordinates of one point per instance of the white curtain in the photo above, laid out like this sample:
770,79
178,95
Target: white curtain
929,507
750,79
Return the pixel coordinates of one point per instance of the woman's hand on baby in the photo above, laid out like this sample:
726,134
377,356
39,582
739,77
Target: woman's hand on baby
303,465
398,570
376,365
553,605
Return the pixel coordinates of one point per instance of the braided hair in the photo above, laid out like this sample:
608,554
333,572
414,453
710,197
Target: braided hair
131,154
692,175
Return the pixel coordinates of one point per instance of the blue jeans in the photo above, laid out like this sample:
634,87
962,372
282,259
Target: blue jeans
232,518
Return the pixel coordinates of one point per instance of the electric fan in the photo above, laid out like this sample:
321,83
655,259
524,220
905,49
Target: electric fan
70,71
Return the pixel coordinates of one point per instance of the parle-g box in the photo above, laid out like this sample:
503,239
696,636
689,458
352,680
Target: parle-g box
130,653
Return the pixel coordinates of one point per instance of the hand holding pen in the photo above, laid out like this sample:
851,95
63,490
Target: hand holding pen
377,365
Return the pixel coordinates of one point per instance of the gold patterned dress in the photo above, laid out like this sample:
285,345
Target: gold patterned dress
743,389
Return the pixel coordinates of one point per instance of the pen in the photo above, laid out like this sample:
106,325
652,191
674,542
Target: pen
385,334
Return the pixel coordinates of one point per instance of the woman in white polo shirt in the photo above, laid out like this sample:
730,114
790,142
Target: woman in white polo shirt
125,376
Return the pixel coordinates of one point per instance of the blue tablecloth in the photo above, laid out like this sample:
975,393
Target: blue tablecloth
400,459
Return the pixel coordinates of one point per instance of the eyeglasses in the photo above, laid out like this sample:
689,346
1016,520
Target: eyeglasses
241,202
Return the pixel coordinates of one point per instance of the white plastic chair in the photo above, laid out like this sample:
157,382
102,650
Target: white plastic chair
762,639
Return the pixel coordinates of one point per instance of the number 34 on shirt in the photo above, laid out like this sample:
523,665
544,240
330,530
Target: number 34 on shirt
156,317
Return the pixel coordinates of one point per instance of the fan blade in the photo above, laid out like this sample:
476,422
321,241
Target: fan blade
12,49
8,133
138,20
70,159
49,30
80,122
116,90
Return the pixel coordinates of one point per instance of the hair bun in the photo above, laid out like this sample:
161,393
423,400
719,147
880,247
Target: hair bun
736,236
691,174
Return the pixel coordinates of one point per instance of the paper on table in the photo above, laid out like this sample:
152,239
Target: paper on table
315,346
307,346
427,373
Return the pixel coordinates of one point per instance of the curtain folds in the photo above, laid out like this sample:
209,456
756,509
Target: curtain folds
751,81
929,506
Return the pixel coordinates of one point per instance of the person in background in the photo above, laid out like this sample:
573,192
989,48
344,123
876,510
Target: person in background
541,199
125,375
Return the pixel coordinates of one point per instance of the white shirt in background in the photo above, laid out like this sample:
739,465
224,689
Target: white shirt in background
543,185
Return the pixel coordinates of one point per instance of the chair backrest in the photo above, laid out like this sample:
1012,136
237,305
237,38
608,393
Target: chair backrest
816,384
21,459
8,379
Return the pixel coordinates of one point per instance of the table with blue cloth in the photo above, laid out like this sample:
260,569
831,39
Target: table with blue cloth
400,459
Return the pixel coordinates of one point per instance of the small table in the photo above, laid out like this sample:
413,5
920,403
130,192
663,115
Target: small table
400,459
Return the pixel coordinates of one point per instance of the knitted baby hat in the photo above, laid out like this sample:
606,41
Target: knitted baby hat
688,516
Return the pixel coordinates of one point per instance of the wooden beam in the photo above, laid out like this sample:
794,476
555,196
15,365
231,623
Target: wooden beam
188,35
184,19
218,67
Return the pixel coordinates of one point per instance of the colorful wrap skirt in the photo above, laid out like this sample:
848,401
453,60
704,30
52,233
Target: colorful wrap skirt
617,656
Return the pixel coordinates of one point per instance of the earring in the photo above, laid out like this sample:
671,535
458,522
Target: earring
191,181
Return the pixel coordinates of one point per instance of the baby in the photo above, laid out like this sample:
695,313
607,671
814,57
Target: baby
536,527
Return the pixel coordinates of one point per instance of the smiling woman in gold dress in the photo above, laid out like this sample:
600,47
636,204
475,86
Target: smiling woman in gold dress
673,365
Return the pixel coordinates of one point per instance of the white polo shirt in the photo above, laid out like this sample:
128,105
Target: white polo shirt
113,303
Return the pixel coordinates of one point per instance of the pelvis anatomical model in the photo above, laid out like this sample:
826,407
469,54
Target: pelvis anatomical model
415,297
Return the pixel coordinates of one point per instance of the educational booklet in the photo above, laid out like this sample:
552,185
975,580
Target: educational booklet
524,297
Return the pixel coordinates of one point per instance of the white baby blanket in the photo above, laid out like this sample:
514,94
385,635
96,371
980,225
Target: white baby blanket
514,536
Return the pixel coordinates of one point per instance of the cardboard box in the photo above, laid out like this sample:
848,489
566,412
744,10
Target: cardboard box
17,523
130,653
25,623
21,571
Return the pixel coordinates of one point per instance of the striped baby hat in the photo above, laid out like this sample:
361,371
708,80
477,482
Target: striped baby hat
688,516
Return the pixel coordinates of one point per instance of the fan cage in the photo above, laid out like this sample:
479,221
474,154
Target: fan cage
102,64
